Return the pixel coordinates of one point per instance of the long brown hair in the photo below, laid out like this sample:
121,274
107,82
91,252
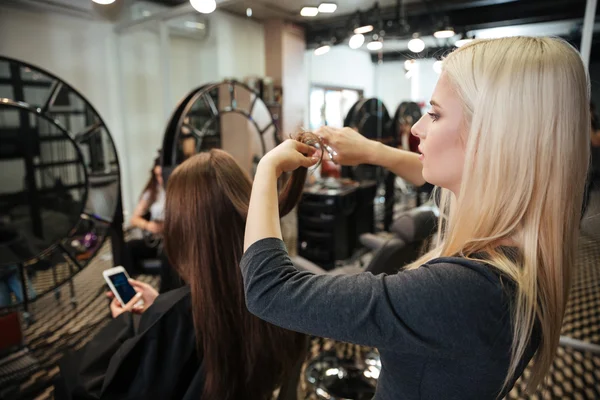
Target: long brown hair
152,185
206,207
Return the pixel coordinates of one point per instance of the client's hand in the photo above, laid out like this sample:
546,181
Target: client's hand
116,308
149,294
288,156
351,147
145,292
153,227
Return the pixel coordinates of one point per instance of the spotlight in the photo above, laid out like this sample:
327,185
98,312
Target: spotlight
322,50
444,33
363,29
374,46
309,11
327,8
462,42
356,41
437,66
194,25
103,2
416,45
248,12
204,6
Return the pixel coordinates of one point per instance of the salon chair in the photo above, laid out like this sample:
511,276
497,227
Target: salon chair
388,259
413,227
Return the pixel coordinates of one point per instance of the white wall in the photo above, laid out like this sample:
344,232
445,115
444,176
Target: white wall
424,81
241,46
391,84
86,55
347,68
342,67
81,52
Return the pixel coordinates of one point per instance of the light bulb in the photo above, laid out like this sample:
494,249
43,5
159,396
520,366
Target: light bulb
103,2
327,7
322,50
364,29
356,41
204,6
416,45
409,64
444,34
437,66
248,12
375,46
309,11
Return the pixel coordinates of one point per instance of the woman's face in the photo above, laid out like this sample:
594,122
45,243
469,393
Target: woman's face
442,132
158,174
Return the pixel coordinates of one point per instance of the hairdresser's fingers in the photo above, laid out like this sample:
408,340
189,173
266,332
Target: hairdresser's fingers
324,132
309,161
303,148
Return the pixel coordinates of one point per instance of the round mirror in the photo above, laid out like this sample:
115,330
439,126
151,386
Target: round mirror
60,187
43,186
227,115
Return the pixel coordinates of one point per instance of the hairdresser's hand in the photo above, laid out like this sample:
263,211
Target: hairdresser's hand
289,156
351,147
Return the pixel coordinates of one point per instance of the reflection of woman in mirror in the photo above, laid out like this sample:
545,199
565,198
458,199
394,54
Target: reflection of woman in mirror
189,142
149,216
198,341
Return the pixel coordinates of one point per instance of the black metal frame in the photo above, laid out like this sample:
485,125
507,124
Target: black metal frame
115,229
176,122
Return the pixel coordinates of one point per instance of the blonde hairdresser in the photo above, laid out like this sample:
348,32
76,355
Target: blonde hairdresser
506,140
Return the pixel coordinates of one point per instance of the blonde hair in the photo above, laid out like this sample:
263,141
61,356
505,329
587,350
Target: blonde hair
526,105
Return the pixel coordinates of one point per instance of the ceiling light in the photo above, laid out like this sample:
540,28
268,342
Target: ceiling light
327,7
356,41
204,6
444,33
437,66
416,45
104,2
194,25
248,12
462,42
309,11
364,29
322,50
374,46
409,64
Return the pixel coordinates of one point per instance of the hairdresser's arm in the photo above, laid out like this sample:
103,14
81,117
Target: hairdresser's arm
352,148
263,211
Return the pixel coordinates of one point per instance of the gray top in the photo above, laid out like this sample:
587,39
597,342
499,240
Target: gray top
443,330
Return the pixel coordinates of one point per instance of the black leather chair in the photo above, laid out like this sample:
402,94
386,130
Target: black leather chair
414,227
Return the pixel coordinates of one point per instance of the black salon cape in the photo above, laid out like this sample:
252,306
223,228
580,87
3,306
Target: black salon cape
159,362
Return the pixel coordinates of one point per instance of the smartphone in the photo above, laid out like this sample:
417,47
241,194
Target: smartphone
118,281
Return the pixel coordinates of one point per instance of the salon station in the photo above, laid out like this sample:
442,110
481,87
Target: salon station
101,101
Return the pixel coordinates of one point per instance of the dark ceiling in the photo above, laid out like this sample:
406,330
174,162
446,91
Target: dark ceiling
402,19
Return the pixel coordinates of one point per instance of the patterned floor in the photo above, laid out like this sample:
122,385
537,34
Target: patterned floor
60,324
575,374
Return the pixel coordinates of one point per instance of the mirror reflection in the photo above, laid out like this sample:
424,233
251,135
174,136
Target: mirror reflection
44,184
